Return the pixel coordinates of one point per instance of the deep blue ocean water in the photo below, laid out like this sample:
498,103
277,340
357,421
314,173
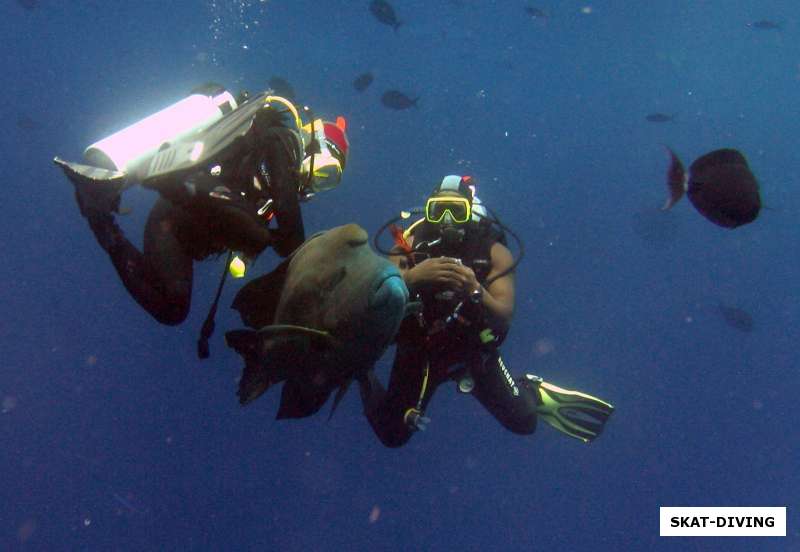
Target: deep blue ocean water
116,437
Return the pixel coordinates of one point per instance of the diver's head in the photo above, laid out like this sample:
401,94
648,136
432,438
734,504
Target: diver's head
449,207
324,165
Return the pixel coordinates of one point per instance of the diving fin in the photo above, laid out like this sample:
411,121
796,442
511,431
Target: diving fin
574,413
98,190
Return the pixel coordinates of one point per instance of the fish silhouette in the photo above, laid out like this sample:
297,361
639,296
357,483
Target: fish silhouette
394,99
720,185
384,12
363,81
736,318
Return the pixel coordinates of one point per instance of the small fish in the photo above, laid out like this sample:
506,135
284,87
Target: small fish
535,13
720,185
737,318
28,5
764,25
363,81
26,123
660,118
394,99
281,87
384,12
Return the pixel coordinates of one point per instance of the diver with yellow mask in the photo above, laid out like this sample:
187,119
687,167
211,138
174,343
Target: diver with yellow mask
230,173
459,270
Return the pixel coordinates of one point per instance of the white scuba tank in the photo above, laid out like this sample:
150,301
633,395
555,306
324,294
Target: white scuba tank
126,149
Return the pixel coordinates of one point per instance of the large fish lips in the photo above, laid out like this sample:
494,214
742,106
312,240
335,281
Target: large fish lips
386,305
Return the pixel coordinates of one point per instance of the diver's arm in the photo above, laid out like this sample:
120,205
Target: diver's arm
498,298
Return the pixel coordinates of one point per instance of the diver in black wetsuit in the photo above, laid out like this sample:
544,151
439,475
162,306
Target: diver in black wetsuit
256,168
455,262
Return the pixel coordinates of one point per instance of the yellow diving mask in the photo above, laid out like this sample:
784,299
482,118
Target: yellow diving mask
437,207
328,163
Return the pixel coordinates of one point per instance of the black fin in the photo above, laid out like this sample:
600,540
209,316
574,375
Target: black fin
255,375
258,300
301,399
340,395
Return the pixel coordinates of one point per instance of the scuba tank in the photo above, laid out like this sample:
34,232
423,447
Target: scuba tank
126,149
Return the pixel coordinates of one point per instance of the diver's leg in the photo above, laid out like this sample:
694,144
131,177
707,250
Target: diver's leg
514,406
160,280
392,412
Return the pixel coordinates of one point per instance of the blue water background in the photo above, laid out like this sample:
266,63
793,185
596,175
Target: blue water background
116,437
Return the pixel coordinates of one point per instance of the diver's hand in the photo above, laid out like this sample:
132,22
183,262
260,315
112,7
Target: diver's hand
445,272
469,280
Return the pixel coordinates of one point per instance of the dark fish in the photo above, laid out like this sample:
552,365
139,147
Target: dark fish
26,123
764,25
28,5
281,87
363,81
535,12
660,118
394,99
384,12
737,318
720,186
322,317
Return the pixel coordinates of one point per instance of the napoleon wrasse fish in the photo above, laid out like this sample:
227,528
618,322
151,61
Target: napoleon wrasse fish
719,184
320,319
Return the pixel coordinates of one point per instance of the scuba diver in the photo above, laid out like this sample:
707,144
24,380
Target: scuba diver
458,268
230,174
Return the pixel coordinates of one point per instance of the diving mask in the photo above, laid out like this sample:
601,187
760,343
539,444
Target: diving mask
437,208
324,167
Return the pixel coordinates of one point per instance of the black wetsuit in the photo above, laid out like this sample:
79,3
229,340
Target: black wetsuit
199,215
432,350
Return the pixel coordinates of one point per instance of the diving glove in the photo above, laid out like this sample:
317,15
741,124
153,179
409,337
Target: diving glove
577,414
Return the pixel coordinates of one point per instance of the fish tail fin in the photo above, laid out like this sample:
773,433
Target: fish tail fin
255,376
676,180
339,396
